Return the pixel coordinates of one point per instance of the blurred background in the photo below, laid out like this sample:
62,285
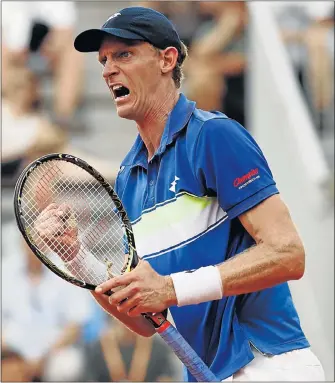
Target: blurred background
269,65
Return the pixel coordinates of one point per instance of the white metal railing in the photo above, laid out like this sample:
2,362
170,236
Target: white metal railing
280,121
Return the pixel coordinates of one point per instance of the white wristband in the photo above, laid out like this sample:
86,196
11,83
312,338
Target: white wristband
193,287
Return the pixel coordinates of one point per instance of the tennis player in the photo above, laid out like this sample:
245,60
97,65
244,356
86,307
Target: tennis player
217,242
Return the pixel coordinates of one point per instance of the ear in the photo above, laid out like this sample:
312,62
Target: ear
169,59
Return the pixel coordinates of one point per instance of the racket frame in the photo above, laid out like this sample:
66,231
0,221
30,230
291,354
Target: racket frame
19,187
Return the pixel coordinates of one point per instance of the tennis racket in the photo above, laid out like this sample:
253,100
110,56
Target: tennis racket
84,234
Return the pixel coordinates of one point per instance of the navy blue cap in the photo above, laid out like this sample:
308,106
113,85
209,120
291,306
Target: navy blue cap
132,23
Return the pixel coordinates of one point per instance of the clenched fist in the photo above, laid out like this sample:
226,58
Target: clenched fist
56,228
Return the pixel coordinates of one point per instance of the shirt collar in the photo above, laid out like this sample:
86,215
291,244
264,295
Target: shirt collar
177,121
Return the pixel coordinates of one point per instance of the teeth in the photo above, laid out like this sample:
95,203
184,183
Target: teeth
121,97
116,87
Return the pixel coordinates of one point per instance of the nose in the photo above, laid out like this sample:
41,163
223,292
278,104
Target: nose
110,69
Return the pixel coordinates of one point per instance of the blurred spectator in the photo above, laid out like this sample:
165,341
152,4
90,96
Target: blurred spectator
26,132
42,315
14,368
308,31
121,355
319,41
216,67
39,35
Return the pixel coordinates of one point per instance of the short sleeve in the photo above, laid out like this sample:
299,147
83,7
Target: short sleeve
229,164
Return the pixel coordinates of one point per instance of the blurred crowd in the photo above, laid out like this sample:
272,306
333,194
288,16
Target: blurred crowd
42,84
52,331
43,75
307,29
37,43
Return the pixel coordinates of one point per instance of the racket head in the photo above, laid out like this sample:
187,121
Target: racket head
54,178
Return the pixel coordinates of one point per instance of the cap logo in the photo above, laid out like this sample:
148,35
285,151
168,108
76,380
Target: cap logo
115,15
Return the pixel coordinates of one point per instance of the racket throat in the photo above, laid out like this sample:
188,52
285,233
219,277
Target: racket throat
156,319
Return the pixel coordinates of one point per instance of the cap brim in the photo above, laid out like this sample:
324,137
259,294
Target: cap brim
91,40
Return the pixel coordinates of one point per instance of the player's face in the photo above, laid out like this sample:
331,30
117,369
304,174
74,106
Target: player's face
132,73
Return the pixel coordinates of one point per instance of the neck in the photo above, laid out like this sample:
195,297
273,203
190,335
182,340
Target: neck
151,127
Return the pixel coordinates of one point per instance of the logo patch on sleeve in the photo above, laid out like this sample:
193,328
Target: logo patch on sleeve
246,179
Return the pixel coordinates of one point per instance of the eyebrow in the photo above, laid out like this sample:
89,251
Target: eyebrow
129,45
100,57
126,46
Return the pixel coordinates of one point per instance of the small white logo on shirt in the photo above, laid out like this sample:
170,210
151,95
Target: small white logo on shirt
174,183
115,15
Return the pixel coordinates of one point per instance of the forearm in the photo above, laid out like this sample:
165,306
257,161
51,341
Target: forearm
230,64
257,268
260,267
137,324
217,39
291,36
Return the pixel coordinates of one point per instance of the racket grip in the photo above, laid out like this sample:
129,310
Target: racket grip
186,354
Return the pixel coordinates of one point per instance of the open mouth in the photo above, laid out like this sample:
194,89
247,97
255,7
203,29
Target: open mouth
120,92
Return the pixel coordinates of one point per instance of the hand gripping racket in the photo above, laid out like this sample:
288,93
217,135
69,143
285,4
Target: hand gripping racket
75,223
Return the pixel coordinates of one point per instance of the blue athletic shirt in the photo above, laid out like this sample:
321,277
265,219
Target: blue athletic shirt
184,205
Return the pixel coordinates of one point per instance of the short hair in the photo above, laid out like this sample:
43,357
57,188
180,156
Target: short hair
177,73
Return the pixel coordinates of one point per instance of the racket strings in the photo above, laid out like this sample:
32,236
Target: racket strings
91,235
93,220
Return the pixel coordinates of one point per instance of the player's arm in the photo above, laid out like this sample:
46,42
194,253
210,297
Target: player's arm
245,190
277,257
139,324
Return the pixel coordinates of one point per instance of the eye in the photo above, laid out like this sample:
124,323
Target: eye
103,61
124,54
